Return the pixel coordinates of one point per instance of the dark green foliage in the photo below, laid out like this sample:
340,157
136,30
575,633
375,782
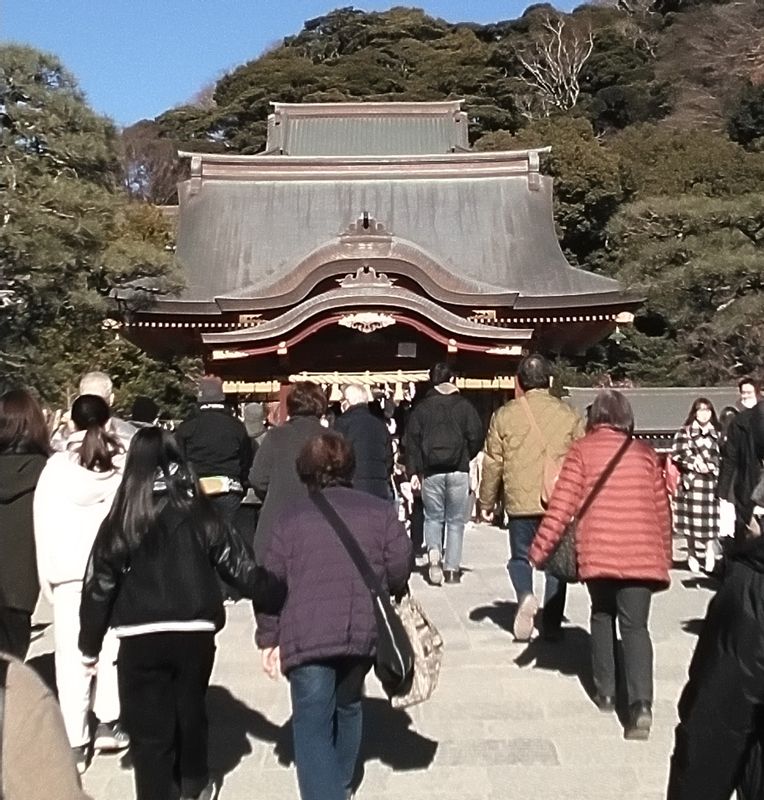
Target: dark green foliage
618,82
69,236
660,160
700,262
746,120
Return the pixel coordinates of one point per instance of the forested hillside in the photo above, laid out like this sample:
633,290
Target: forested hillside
656,117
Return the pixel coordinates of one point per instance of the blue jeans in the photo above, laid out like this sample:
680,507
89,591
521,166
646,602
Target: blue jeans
327,722
445,499
521,533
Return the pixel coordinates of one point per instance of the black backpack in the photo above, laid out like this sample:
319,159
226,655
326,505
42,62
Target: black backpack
442,440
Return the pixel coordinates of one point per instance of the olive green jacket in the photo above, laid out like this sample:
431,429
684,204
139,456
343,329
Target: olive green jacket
514,454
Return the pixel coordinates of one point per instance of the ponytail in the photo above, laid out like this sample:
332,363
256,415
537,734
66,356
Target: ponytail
90,413
98,449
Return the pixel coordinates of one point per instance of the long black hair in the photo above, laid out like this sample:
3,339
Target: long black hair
696,404
155,474
22,424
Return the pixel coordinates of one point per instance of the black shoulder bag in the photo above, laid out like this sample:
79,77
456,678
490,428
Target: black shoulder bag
563,562
394,661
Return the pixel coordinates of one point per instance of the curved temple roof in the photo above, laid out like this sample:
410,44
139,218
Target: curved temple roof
344,129
485,219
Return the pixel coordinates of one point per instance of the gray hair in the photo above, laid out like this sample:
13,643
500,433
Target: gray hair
97,383
356,394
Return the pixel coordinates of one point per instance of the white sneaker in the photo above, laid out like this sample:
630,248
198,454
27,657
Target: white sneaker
525,618
210,792
435,571
110,736
693,565
81,758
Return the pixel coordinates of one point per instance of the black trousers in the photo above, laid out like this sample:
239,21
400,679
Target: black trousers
720,735
15,631
628,602
163,680
417,524
228,506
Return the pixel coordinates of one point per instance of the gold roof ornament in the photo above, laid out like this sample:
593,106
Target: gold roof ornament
366,321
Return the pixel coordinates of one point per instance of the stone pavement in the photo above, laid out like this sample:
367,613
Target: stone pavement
509,720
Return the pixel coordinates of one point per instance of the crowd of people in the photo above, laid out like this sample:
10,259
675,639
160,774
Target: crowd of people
136,536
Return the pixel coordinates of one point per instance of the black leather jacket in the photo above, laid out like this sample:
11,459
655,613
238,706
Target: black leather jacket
169,578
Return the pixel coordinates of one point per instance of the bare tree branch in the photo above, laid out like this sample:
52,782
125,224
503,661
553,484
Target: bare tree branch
553,62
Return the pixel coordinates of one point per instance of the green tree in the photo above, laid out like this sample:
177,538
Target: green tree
69,236
665,161
745,123
700,263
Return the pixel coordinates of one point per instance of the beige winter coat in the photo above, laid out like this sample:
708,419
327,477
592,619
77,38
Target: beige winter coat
514,453
37,761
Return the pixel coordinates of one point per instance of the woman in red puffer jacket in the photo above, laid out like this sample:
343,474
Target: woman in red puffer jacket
623,546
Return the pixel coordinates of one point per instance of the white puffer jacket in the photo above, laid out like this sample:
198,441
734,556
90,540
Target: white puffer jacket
69,505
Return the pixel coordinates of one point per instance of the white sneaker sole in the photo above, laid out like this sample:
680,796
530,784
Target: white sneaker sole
435,570
109,745
525,618
435,573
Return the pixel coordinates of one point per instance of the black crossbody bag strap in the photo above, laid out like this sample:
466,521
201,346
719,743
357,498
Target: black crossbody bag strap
3,677
354,550
604,475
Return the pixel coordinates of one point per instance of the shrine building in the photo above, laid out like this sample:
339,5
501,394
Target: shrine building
368,242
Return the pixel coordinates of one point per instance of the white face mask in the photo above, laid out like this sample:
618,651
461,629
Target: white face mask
748,396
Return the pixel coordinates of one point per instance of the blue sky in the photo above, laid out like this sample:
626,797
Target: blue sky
137,58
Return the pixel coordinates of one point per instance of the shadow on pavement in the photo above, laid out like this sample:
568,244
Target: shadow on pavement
569,656
232,723
501,613
387,735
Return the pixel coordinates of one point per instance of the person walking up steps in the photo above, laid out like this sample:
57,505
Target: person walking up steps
623,548
697,454
443,435
273,475
217,446
325,638
24,450
74,494
524,434
370,440
152,576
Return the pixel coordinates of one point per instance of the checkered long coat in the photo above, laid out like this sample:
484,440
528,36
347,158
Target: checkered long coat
696,506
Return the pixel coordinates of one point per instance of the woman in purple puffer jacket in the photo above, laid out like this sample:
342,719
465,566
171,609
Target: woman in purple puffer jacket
325,637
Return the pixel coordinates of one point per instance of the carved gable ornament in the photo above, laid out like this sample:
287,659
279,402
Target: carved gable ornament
366,321
366,236
364,227
366,277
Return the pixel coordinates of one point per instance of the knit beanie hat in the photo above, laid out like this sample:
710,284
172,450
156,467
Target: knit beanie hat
144,410
210,390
